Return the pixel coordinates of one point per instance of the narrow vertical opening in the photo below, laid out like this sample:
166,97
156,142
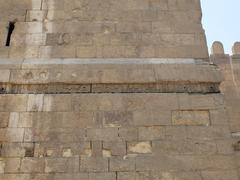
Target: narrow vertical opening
11,27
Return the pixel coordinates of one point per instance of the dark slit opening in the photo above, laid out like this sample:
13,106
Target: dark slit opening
11,27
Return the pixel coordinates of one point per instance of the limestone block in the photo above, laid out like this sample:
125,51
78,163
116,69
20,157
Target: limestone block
93,164
35,102
60,165
139,147
25,120
128,134
30,76
13,120
15,149
102,176
220,174
115,118
57,103
29,27
176,133
208,133
32,165
2,167
236,48
5,75
4,118
151,133
41,176
15,176
184,147
217,48
12,134
12,165
121,164
191,118
35,15
86,52
116,148
75,176
4,51
104,134
185,163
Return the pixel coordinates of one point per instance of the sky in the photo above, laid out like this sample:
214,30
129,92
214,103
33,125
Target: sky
221,21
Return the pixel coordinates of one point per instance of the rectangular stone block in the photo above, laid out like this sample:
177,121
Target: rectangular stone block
12,165
102,176
144,147
104,134
184,147
184,163
32,165
4,118
61,165
128,134
117,148
93,164
59,103
151,133
5,75
233,175
75,176
121,164
190,118
13,103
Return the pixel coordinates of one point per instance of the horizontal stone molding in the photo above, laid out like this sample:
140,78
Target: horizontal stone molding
108,75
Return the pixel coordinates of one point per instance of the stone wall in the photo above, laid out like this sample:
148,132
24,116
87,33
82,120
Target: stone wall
103,28
154,111
113,134
230,67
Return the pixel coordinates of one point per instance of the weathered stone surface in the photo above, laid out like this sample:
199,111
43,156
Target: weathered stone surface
93,164
140,147
191,118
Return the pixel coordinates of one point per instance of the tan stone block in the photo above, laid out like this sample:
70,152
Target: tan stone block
233,175
25,120
134,27
184,147
139,147
5,75
4,51
2,166
104,134
62,165
93,164
32,165
151,133
14,134
35,102
35,15
13,120
86,52
12,165
57,103
116,148
14,176
191,118
75,176
4,119
102,176
121,164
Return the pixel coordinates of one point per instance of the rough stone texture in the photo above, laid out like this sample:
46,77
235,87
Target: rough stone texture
114,119
94,29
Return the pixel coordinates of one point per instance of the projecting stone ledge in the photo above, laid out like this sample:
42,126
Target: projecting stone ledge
108,75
